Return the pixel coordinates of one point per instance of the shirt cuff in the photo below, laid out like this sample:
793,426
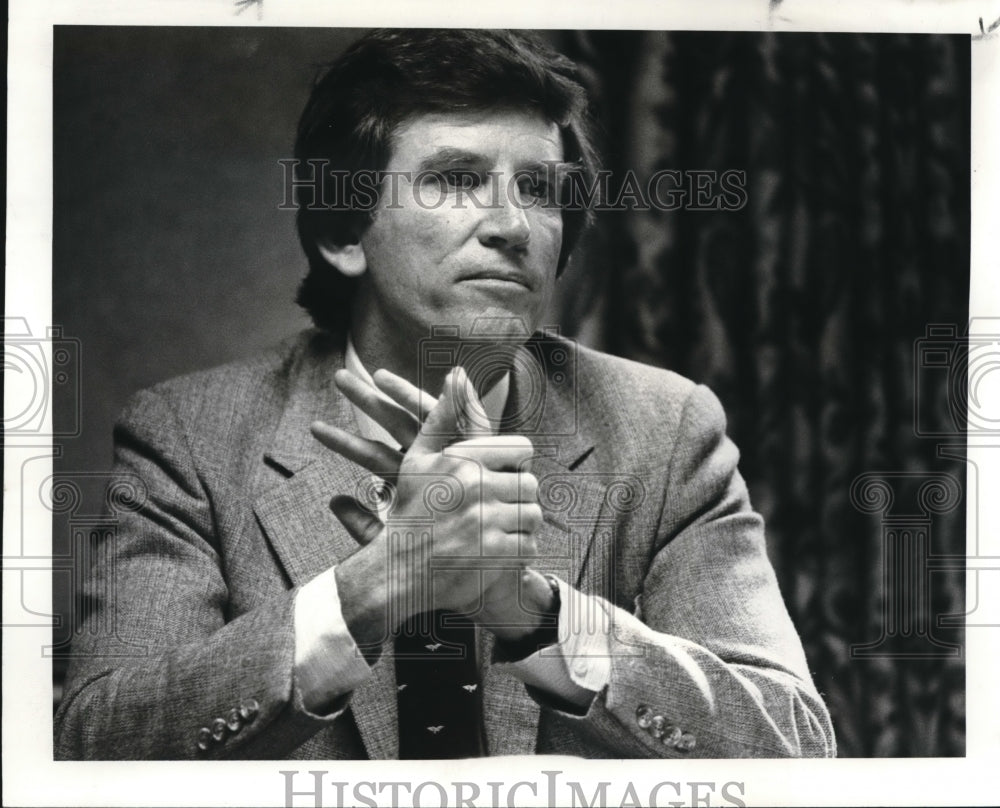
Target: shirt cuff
578,667
328,663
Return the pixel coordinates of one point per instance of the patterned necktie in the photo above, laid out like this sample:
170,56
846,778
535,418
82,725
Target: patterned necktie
439,691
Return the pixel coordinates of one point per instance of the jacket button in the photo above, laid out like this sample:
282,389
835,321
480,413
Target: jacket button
204,739
671,735
234,721
657,725
686,742
249,710
219,729
644,716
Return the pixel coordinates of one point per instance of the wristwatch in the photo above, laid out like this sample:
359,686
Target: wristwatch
547,631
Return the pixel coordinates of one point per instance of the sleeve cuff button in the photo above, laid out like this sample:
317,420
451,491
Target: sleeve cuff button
686,742
249,709
234,721
219,729
204,739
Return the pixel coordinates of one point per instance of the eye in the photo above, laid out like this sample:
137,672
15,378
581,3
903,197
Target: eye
463,178
535,185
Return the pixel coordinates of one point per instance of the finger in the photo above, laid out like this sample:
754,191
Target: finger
440,428
374,456
361,523
511,487
395,420
520,518
417,402
507,487
495,452
482,563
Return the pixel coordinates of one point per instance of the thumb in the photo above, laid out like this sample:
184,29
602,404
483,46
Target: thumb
473,422
458,414
361,523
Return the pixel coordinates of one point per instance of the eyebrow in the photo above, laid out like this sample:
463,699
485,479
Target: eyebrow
449,157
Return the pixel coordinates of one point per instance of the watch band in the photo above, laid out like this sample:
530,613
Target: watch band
556,597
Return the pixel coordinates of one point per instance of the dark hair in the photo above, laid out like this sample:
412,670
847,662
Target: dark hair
389,76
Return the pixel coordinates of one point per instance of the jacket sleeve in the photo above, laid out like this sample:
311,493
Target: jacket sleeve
156,666
709,664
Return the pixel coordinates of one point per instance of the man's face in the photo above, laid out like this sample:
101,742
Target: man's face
477,243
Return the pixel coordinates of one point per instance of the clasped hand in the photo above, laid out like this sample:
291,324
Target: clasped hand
460,531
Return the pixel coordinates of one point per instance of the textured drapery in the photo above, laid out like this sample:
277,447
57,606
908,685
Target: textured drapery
802,310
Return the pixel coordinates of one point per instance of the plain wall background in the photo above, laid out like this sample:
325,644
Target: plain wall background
170,253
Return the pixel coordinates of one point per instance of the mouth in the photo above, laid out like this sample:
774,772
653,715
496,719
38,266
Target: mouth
500,276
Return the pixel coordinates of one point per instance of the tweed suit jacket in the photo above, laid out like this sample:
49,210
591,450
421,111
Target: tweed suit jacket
189,613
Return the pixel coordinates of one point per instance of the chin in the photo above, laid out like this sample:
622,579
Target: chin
498,323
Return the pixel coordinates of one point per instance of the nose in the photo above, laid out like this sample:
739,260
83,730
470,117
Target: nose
505,220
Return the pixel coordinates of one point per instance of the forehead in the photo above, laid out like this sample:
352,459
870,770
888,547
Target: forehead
493,136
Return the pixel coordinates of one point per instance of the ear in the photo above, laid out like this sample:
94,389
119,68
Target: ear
348,258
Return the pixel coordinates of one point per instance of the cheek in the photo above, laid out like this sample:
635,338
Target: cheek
548,234
432,233
408,256
391,244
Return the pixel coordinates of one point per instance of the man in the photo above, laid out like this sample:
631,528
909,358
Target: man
422,529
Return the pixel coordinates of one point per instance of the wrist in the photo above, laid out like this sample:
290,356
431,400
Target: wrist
364,601
542,602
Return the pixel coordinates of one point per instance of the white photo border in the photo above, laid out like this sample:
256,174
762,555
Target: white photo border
31,777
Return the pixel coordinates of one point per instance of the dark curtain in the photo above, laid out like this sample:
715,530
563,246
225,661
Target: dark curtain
802,310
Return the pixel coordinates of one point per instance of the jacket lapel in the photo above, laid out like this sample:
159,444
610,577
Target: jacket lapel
306,537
